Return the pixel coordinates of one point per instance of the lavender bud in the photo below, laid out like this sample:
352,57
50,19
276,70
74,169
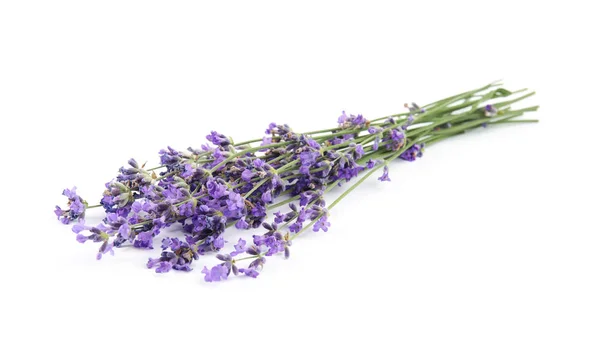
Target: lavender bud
257,263
267,226
103,246
224,257
253,250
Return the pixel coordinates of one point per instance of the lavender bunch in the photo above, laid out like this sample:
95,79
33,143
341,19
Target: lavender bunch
277,182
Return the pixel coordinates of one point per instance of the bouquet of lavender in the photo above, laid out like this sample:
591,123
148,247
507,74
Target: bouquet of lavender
276,182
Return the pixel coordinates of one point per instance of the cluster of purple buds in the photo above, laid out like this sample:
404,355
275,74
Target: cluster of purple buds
224,186
76,210
351,121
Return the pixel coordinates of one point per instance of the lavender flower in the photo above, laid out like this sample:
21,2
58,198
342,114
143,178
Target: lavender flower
250,272
412,153
216,273
386,174
322,224
77,206
218,139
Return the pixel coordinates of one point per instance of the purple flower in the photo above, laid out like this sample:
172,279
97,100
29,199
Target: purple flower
266,141
304,169
312,143
77,228
258,163
266,197
219,242
308,158
240,248
409,120
306,197
359,121
242,224
296,227
376,143
76,209
385,176
359,150
61,215
152,262
235,202
322,224
125,231
143,240
343,118
186,209
97,234
247,175
303,215
215,189
168,242
279,217
250,272
105,248
169,157
412,153
173,193
271,128
218,139
77,206
188,171
216,273
71,194
164,266
397,135
347,121
136,207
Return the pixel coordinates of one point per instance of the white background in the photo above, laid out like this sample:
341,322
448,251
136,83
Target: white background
485,247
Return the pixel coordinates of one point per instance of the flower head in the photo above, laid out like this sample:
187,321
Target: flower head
250,272
216,273
386,174
76,209
218,139
412,153
322,224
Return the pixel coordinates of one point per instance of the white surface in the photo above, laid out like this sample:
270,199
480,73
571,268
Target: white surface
485,247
